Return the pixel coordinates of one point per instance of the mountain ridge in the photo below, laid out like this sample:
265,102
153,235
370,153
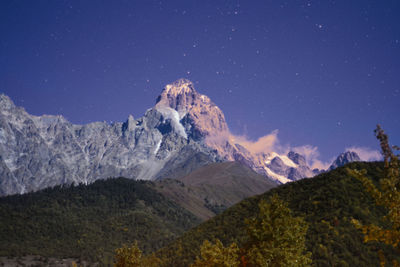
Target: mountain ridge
91,221
327,202
213,188
182,132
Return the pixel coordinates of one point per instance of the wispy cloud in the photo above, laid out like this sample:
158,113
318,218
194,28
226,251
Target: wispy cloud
366,153
270,143
264,144
312,155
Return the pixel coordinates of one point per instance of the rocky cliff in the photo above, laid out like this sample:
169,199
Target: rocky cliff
182,132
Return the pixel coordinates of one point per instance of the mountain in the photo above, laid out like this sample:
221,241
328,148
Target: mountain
344,158
89,222
327,202
44,151
213,188
182,132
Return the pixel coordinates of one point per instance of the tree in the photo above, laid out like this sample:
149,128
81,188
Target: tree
387,194
275,237
132,257
213,255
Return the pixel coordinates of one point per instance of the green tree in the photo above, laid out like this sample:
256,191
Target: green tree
133,257
213,255
387,194
275,237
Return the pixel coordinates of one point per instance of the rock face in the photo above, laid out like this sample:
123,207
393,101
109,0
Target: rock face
344,158
182,132
204,122
44,151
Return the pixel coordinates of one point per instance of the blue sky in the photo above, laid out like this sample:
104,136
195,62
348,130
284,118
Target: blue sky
322,73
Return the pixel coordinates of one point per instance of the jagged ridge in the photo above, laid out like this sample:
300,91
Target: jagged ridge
182,132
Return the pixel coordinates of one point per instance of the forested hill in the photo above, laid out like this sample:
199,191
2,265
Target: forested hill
90,222
328,202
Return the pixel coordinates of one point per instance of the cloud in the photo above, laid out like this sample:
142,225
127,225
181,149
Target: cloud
312,154
308,151
264,144
317,164
270,143
366,153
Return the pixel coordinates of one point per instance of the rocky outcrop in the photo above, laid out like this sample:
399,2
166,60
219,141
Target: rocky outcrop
344,158
42,151
182,132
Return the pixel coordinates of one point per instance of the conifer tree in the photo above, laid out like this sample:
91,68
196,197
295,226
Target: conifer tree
275,237
387,194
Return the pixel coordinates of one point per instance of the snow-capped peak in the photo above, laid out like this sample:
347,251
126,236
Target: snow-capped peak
286,160
204,117
179,87
344,158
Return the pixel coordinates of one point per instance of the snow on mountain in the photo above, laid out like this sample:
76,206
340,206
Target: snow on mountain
344,158
183,131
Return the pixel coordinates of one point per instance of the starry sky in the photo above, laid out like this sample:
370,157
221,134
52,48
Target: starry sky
322,73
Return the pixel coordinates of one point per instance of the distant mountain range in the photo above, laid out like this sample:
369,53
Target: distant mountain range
327,202
184,131
91,221
88,222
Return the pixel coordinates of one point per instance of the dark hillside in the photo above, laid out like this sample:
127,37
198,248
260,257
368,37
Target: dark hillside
89,222
213,188
327,201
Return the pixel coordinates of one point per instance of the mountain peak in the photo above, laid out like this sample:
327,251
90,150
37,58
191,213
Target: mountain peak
6,102
180,86
297,158
197,110
179,95
344,158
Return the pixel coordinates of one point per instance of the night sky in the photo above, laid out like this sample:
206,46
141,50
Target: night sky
323,73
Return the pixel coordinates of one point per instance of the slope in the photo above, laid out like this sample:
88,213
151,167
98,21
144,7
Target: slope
185,130
328,202
213,188
89,222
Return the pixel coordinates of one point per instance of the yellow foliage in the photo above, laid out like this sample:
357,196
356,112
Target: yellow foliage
213,255
386,195
275,237
133,257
